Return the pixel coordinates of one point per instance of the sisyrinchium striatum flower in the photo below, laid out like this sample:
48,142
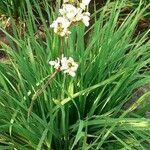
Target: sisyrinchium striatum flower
84,4
70,14
68,66
60,26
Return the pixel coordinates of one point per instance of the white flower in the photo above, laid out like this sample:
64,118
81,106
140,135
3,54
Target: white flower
69,11
55,63
68,66
84,4
75,14
86,18
78,16
70,15
60,26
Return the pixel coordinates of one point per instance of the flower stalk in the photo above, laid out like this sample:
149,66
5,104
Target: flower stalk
71,13
40,91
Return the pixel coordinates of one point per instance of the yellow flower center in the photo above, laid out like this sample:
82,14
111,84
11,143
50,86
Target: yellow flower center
60,28
70,65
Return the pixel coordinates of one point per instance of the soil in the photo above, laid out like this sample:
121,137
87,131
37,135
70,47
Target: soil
135,96
3,39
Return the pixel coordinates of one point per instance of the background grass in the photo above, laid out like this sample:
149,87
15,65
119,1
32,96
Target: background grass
85,112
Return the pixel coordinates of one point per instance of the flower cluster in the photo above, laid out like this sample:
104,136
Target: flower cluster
70,14
68,66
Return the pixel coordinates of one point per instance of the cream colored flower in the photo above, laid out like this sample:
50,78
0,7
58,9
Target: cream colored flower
86,18
70,15
69,11
84,4
69,66
56,63
75,14
78,16
61,26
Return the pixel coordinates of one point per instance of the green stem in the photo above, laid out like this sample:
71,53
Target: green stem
40,91
62,47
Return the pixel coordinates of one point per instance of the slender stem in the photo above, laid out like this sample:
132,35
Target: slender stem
62,47
40,91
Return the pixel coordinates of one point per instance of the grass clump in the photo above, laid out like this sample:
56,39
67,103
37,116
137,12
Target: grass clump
84,112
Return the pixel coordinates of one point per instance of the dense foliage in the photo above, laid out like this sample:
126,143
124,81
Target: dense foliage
85,112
